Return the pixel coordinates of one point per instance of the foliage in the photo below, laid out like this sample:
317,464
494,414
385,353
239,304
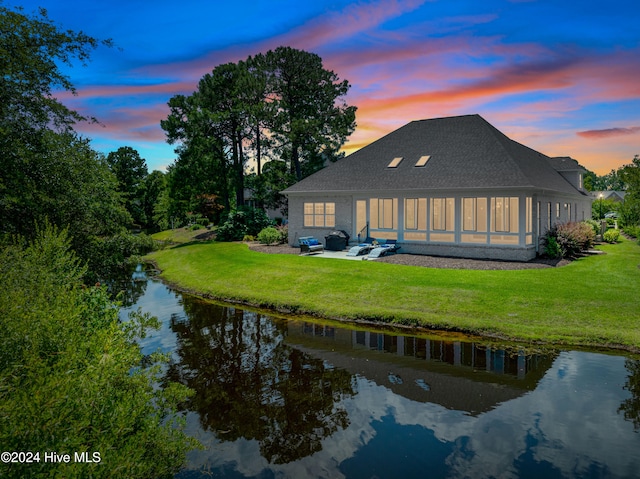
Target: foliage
60,178
281,106
191,185
612,181
633,231
111,257
33,50
269,236
274,234
72,377
311,122
611,236
626,178
130,170
630,408
283,231
265,188
595,225
152,187
629,211
50,174
601,207
551,247
241,222
568,240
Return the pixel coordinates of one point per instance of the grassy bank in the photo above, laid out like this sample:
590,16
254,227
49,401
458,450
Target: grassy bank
592,301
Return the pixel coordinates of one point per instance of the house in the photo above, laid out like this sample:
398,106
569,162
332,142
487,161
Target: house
449,187
617,196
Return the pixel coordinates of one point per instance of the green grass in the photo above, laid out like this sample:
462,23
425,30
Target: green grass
178,235
593,301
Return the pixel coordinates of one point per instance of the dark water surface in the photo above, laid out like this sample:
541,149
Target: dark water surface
293,399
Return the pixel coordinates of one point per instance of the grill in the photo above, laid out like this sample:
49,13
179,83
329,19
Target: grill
336,240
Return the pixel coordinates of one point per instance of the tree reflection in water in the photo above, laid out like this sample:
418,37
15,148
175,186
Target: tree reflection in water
249,384
630,408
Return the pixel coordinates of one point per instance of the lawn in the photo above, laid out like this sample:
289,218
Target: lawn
592,301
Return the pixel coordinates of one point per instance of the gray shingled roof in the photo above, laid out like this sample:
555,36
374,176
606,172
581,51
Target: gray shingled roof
565,163
466,152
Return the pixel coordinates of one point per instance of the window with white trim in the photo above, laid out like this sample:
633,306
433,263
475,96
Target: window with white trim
474,214
320,214
442,214
415,214
504,214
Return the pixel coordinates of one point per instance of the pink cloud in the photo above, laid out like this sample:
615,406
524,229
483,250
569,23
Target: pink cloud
608,132
108,91
129,124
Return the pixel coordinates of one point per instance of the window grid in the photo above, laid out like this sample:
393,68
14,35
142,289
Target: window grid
319,215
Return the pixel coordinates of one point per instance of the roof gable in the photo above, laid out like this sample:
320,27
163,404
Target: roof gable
465,152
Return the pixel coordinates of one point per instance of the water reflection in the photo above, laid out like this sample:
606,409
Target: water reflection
464,376
249,384
630,407
282,398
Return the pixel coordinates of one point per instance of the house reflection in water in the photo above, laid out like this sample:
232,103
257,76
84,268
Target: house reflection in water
456,374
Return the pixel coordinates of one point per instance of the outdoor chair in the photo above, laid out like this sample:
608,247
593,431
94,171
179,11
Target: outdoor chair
310,245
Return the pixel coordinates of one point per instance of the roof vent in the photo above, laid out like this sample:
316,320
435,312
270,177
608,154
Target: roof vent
395,162
423,160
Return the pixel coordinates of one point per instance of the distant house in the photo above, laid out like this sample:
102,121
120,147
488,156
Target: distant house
617,196
449,186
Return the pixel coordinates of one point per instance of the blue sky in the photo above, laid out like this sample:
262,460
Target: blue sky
560,77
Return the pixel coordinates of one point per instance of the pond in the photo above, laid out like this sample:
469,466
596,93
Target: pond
285,398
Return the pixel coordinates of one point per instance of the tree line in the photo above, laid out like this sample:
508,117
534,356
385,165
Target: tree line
257,125
626,179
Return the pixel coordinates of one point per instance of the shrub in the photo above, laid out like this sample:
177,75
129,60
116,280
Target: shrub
551,247
269,236
633,231
611,236
595,225
241,222
248,238
111,256
569,238
73,377
283,230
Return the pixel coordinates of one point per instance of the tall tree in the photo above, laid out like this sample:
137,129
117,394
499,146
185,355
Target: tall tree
47,171
130,170
152,188
31,50
219,96
312,120
282,105
202,166
255,96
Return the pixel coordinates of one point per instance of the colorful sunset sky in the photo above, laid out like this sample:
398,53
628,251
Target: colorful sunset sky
562,77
